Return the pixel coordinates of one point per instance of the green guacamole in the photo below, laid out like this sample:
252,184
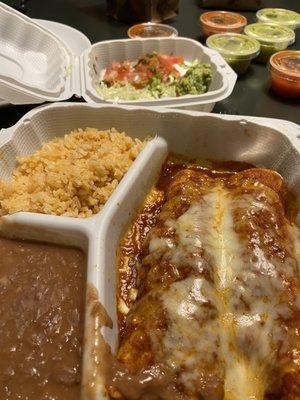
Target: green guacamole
280,16
272,38
237,49
196,80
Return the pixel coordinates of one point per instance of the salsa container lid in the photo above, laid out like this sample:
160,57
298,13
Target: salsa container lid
82,72
222,20
151,29
234,45
270,33
279,16
287,64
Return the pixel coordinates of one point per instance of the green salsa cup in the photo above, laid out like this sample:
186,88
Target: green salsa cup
272,38
280,16
237,49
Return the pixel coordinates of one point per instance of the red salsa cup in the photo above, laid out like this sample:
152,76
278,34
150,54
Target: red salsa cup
285,73
213,22
151,29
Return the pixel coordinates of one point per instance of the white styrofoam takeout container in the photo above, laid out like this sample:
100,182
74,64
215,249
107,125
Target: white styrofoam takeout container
102,54
82,72
264,142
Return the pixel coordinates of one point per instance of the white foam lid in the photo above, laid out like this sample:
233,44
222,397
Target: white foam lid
30,57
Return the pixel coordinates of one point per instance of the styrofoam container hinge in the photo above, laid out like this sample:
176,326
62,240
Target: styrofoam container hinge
77,76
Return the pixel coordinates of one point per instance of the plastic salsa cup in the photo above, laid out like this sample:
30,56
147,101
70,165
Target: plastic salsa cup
285,73
151,29
237,49
288,18
272,38
213,22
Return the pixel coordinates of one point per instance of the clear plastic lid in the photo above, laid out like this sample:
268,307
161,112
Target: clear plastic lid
280,16
270,33
287,64
151,29
234,45
222,20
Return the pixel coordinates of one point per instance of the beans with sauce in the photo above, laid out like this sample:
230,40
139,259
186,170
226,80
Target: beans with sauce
41,320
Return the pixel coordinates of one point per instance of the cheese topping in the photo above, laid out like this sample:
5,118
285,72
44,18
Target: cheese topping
189,304
216,291
233,319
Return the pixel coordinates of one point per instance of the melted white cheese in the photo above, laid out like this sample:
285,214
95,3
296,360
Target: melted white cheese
240,327
190,303
190,319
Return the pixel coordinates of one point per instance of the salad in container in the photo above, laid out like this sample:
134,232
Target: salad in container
154,76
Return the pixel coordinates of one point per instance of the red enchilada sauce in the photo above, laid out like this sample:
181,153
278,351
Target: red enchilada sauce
41,320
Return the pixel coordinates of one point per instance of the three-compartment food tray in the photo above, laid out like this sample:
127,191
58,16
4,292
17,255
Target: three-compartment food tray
263,142
44,68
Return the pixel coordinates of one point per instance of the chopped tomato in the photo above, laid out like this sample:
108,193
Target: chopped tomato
147,66
170,59
167,65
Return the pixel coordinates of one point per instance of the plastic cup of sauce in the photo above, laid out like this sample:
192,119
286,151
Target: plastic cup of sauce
280,16
237,49
272,38
151,29
285,73
213,22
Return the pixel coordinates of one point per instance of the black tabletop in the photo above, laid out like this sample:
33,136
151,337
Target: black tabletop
251,95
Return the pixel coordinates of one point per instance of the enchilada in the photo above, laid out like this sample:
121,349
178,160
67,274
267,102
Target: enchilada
208,288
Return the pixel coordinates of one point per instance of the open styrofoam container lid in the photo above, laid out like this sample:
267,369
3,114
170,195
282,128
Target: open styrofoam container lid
31,57
81,72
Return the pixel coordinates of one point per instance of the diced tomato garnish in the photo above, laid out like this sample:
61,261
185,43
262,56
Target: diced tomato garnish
146,68
167,65
170,59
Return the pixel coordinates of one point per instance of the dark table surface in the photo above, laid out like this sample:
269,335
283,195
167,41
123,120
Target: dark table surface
251,95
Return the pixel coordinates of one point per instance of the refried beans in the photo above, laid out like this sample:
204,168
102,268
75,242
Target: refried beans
42,290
